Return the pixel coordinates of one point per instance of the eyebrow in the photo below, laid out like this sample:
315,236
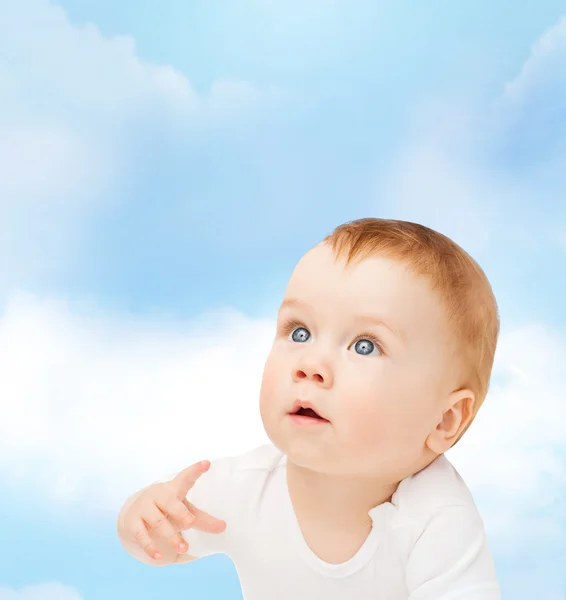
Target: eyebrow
295,303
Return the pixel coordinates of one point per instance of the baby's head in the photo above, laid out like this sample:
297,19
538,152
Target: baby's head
388,330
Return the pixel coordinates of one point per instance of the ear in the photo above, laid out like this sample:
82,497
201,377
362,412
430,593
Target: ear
456,416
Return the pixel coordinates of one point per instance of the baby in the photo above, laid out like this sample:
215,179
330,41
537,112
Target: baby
382,357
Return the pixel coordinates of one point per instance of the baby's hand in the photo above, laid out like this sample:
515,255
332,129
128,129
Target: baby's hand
154,520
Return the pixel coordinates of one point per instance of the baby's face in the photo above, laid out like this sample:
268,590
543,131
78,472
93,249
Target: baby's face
367,347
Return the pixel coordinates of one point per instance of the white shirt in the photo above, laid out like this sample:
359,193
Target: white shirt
427,543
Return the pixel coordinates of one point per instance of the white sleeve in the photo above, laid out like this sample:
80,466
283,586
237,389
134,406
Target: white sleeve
451,559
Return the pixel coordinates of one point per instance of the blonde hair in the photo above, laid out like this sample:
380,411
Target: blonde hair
457,278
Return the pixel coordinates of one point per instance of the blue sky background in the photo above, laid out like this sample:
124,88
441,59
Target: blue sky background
162,168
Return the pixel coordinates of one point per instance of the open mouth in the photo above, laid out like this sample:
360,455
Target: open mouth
308,413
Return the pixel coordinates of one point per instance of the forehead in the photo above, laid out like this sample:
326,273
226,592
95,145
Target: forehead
376,276
375,285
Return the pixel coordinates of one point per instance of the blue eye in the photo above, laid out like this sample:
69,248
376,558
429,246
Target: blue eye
300,334
365,347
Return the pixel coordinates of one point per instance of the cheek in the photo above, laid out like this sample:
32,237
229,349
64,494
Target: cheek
382,413
382,433
269,381
361,420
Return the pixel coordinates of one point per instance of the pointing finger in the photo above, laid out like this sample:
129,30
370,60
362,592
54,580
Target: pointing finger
186,479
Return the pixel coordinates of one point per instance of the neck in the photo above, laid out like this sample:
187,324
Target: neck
338,497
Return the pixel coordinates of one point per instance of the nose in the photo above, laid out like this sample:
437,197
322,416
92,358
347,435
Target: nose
316,371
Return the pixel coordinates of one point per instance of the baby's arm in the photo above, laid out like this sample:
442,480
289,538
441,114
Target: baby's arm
451,559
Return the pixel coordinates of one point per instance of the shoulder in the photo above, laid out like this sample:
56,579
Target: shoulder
437,487
446,548
435,506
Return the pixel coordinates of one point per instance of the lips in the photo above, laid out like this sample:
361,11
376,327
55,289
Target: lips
306,409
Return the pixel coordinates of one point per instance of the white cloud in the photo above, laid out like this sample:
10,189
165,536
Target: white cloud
44,161
41,591
69,101
66,90
543,69
93,407
529,117
433,180
76,70
513,455
482,172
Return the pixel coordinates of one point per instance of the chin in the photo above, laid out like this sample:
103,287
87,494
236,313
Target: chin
305,460
301,450
313,457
